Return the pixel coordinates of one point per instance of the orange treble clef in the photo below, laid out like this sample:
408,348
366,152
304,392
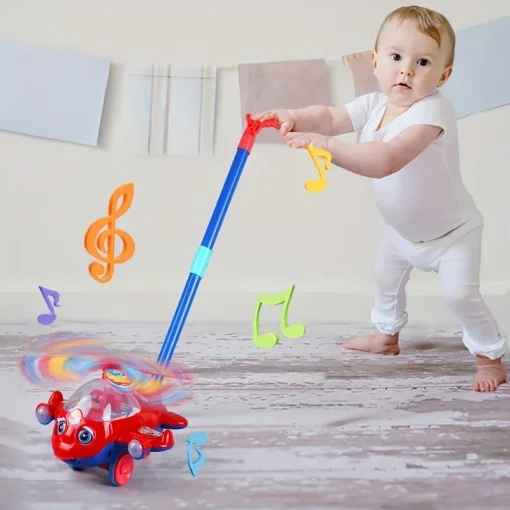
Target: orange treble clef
101,243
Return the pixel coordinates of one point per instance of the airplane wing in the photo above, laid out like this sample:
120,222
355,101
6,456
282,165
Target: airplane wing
174,421
146,438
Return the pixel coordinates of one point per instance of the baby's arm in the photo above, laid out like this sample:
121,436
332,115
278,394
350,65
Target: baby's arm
380,159
325,120
335,120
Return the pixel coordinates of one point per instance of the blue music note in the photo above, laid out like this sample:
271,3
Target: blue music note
198,439
48,318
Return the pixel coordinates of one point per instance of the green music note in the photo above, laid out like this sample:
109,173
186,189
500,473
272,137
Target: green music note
269,340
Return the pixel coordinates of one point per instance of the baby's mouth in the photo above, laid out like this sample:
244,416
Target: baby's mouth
405,85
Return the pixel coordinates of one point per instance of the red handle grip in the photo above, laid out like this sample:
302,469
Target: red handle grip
253,128
257,125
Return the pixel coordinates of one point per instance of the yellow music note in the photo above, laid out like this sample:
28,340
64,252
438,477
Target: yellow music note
101,245
317,185
269,340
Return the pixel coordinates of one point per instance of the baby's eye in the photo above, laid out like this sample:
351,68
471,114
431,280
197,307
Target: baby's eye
423,62
396,57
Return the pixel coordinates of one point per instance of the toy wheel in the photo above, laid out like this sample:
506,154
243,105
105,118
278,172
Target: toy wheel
120,471
75,468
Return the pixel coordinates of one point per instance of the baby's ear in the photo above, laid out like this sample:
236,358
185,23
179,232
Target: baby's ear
446,74
374,58
374,63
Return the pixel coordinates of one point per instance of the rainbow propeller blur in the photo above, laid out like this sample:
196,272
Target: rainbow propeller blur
65,357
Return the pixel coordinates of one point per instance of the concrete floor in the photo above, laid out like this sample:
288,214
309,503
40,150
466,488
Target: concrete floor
303,426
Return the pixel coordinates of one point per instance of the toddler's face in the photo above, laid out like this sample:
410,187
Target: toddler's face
408,64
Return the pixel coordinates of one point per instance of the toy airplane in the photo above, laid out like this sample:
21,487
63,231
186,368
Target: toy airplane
99,426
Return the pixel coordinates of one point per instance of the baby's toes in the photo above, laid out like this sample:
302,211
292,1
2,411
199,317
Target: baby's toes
479,385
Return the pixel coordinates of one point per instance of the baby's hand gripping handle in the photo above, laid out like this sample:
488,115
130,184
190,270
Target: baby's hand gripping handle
253,128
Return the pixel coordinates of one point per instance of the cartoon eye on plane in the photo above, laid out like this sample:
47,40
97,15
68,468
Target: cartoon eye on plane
100,426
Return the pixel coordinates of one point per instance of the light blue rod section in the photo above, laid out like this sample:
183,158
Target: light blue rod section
201,261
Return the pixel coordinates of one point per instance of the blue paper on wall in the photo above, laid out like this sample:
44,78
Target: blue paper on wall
481,73
51,93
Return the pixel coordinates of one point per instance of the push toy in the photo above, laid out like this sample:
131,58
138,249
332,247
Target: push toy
121,416
110,420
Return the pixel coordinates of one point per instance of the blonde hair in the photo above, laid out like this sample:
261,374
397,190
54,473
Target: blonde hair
427,21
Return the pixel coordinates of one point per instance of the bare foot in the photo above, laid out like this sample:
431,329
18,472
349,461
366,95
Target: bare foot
490,374
378,343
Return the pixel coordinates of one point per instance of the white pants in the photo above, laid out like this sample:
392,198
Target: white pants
456,258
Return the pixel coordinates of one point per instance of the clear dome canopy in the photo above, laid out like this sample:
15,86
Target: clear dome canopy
99,401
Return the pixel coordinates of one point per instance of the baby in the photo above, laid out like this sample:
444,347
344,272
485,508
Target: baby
409,150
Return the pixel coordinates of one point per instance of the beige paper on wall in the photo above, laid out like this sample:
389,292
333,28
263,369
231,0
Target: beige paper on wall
291,84
362,71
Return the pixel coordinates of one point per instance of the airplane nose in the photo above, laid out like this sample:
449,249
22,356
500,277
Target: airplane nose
63,456
61,447
62,452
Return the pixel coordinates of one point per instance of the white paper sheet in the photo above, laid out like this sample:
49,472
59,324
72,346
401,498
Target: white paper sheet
137,116
51,93
170,109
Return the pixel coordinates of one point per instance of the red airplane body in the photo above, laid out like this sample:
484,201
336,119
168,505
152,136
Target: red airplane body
100,426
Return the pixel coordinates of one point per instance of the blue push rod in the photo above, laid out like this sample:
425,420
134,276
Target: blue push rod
204,252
